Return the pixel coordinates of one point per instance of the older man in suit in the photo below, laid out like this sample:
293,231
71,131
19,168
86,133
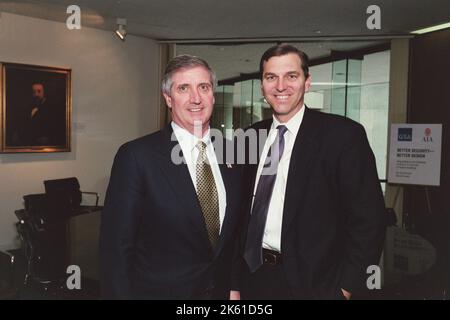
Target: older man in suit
171,208
316,214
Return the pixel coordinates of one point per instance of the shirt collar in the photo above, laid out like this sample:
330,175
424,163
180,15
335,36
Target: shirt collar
188,140
293,124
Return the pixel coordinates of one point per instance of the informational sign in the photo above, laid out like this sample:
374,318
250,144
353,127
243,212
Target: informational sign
415,154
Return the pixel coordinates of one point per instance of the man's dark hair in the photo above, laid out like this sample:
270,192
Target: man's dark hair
281,50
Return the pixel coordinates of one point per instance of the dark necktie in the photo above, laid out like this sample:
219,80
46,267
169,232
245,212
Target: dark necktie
207,195
253,245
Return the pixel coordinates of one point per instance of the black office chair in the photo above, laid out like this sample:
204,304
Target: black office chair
42,227
43,235
8,290
64,196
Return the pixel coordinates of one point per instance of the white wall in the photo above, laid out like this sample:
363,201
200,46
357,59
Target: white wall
114,99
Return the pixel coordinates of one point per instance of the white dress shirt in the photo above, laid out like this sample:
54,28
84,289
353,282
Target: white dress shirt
188,144
272,232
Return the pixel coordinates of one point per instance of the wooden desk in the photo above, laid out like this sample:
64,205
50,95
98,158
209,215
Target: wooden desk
84,231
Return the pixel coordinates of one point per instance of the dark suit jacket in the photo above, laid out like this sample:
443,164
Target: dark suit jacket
333,218
47,127
154,243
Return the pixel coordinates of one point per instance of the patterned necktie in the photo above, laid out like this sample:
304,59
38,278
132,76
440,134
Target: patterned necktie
207,194
253,245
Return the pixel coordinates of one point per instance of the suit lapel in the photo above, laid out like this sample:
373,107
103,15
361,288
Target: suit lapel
230,206
304,151
253,168
230,177
181,182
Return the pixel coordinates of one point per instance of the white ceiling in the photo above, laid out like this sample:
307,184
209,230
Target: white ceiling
220,19
213,20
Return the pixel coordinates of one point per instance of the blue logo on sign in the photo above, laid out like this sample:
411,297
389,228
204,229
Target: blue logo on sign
404,134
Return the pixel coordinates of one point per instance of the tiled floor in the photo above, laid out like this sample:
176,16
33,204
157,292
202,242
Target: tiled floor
434,285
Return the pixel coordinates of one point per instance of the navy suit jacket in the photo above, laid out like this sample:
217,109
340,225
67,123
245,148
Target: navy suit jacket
154,243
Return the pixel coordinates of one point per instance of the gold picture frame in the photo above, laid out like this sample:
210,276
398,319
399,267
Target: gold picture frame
35,108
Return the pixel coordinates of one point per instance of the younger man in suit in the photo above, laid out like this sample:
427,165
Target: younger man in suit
316,217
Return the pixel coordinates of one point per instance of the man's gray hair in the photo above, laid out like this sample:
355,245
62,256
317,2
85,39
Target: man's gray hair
184,61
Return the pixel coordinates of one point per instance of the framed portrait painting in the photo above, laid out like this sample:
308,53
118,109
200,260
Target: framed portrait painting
35,108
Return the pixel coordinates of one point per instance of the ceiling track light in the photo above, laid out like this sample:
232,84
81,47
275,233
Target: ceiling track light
121,32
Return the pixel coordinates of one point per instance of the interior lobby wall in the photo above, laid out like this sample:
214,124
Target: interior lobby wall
114,99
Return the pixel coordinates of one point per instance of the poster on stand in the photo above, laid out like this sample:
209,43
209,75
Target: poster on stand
415,154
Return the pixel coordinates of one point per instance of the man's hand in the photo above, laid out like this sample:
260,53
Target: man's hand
346,294
235,295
